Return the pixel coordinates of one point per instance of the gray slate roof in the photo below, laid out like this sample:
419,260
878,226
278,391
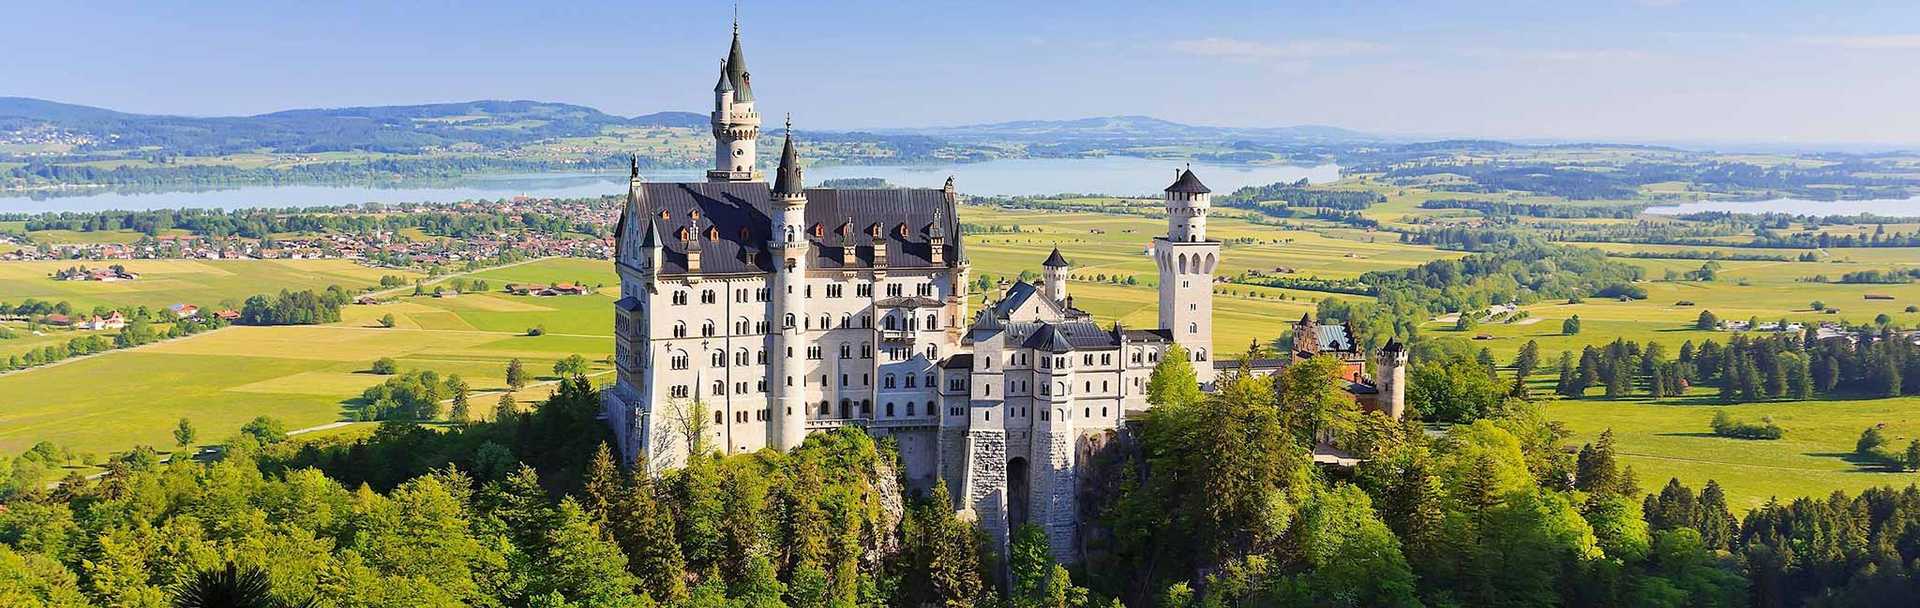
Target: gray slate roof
740,214
1188,184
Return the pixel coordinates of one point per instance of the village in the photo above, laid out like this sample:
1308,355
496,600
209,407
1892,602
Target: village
380,248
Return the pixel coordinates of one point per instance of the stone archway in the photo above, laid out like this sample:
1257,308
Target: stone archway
1019,491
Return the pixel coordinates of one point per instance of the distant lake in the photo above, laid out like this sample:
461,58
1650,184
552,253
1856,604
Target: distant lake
1890,207
1112,175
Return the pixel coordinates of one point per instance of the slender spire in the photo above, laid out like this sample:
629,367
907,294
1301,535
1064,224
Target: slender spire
1056,260
633,166
788,181
724,86
737,73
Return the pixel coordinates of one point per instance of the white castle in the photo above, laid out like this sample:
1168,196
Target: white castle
752,314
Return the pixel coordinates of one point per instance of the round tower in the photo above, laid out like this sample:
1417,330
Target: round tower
1187,260
736,126
1054,275
1393,378
790,250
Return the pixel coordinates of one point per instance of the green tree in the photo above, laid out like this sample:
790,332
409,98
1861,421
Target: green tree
265,430
1352,558
462,412
1707,321
1571,326
386,366
183,433
570,366
516,375
387,320
1173,381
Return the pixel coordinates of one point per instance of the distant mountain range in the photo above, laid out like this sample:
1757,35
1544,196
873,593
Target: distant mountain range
1137,128
397,129
494,123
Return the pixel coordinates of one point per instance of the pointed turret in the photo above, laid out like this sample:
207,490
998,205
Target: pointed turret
1056,260
788,182
725,85
737,74
1188,183
1054,272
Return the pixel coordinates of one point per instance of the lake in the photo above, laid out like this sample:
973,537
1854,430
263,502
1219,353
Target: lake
1112,175
1889,207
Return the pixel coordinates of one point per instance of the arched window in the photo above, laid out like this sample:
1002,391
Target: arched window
889,409
706,329
680,360
679,329
887,381
1193,328
910,410
719,359
933,321
790,321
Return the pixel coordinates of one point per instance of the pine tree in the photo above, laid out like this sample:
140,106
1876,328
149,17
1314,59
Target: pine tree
1715,523
1566,385
505,409
1596,469
516,375
462,411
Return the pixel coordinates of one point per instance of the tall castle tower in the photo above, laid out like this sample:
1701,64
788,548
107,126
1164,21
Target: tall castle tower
736,126
790,249
1187,261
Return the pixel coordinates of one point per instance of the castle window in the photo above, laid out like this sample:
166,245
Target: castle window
864,290
679,391
789,321
1106,358
680,360
719,359
762,386
866,350
933,351
925,290
719,387
707,329
826,409
933,322
912,380
1199,354
740,357
835,290
889,409
866,407
846,408
846,351
679,329
819,231
866,321
665,214
1193,328
825,321
760,356
930,383
708,297
894,290
910,409
813,354
887,381
846,320
745,234
679,297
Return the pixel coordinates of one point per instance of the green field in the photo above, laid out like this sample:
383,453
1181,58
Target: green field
305,375
1668,440
206,283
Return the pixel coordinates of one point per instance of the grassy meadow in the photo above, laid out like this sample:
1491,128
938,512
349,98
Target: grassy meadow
1672,439
305,375
206,283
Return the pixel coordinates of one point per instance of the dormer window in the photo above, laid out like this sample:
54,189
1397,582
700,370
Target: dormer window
713,234
665,214
682,233
745,234
901,230
694,215
819,231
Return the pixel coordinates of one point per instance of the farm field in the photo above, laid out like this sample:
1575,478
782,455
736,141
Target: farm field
304,375
1672,439
206,283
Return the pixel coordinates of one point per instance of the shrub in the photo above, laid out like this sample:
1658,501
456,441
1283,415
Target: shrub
386,366
1726,426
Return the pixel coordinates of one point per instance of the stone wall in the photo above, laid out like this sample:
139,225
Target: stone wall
987,484
1055,487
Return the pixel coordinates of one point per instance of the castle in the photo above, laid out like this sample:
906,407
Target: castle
751,314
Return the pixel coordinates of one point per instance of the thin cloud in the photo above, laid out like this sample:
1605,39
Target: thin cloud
1868,43
1296,50
1560,55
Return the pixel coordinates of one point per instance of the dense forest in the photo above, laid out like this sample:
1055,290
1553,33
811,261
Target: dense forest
1210,500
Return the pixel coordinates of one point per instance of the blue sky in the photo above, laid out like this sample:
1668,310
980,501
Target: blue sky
1649,70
